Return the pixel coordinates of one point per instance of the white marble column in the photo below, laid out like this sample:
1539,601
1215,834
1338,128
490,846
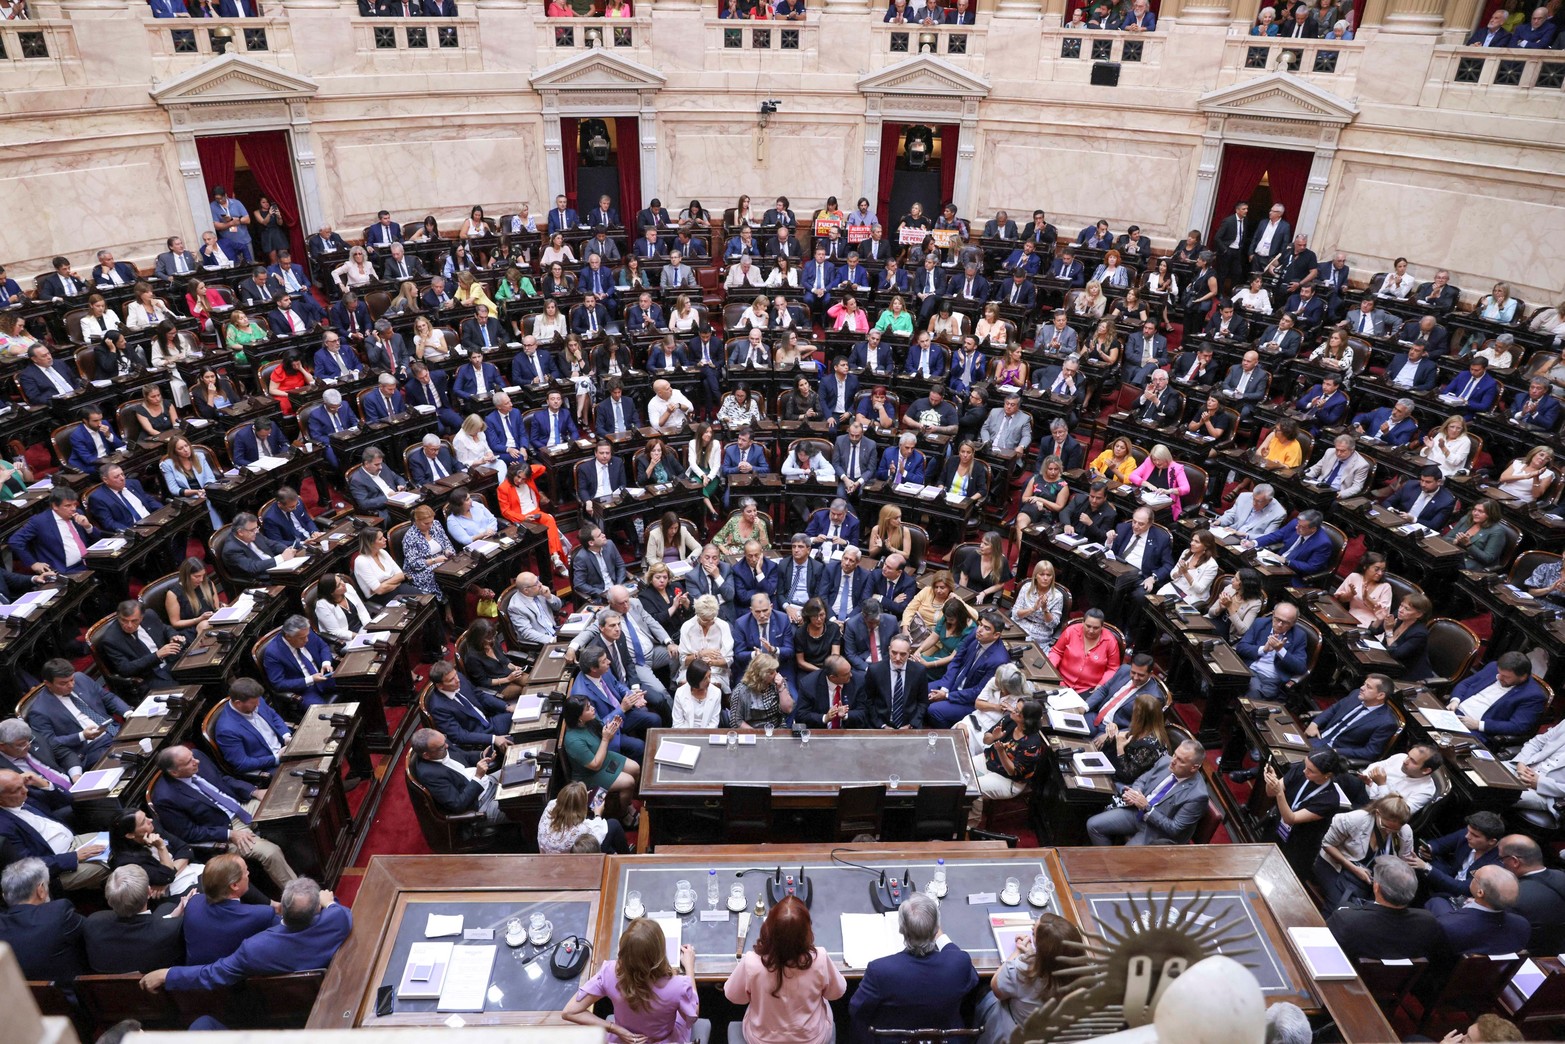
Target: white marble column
966,151
195,187
1414,17
647,130
306,185
553,160
873,126
1315,187
1030,9
1201,12
1205,197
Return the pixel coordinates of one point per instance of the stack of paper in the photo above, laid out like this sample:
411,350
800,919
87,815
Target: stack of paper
1009,930
268,463
292,565
672,936
467,979
97,784
1321,955
528,708
681,754
404,499
1443,720
483,547
1066,700
866,937
107,545
236,613
424,975
440,925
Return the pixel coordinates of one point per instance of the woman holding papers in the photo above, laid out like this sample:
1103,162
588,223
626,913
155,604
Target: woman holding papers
1026,980
339,612
787,981
568,817
189,605
485,663
652,1003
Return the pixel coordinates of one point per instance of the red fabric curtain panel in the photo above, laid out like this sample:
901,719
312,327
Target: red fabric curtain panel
570,150
1288,172
271,161
890,139
217,164
627,144
1242,168
949,135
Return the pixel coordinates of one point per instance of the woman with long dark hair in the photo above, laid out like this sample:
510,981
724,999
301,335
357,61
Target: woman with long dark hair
787,981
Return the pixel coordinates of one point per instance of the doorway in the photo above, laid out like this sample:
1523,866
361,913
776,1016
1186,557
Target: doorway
1260,177
917,165
252,166
602,158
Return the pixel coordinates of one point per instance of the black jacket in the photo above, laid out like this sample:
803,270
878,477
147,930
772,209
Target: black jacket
116,945
876,697
453,793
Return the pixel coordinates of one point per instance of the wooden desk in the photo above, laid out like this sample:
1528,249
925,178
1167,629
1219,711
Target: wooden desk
309,821
219,653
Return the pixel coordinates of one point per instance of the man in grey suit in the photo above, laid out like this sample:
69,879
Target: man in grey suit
676,274
1246,382
1163,806
373,483
1369,321
176,261
1007,431
1056,336
532,610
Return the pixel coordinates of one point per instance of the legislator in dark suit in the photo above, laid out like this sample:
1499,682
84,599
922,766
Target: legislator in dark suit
128,654
139,943
47,939
1386,933
881,707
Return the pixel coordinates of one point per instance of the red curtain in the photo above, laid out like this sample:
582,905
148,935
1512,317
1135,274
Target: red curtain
217,161
271,162
890,139
1243,166
570,151
1288,172
627,134
948,139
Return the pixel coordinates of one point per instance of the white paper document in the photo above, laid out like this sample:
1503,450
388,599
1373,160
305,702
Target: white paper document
441,925
404,499
1443,720
866,937
107,544
467,978
234,613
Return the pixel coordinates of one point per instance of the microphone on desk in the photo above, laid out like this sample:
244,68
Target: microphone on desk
132,757
340,721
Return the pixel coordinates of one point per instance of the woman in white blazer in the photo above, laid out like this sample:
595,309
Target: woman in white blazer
1354,841
339,611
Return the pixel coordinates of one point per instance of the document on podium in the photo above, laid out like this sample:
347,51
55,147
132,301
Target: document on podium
467,979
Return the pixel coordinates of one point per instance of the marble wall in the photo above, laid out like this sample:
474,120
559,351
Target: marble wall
88,159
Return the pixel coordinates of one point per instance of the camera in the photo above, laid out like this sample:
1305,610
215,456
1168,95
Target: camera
769,106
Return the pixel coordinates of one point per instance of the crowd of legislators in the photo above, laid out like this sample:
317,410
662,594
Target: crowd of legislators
762,626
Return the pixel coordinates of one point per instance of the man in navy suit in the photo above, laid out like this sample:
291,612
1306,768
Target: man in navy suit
248,555
249,733
1306,308
1413,369
1227,325
1301,543
120,503
744,457
314,927
754,572
1324,405
800,577
46,377
46,935
597,565
426,388
597,280
61,283
972,287
1275,650
432,461
610,699
598,479
589,319
334,361
605,216
198,803
92,440
1485,923
711,576
1393,425
505,432
1425,331
1536,408
552,425
458,781
28,832
929,288
1455,857
55,540
1476,389
385,401
839,391
1500,699
902,462
925,359
1493,33
831,699
257,292
1059,443
334,414
1281,340
351,317
1537,32
893,585
298,661
289,277
1140,544
763,629
1359,725
286,522
476,378
1067,269
295,315
47,778
817,279
138,644
472,718
437,298
872,355
867,633
896,690
110,273
1115,700
225,912
977,658
921,987
73,716
1426,501
1145,351
1018,293
248,446
533,365
562,218
383,233
835,525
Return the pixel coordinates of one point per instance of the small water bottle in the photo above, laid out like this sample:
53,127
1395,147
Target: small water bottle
939,882
712,889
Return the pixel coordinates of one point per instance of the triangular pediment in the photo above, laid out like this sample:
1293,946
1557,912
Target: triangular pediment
234,77
924,74
597,69
1279,96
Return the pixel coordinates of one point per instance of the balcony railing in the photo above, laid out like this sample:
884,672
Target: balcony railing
448,43
729,43
950,41
1525,83
615,34
1070,55
1330,63
39,54
177,44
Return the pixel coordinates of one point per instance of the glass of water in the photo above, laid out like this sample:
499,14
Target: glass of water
733,739
932,739
804,737
893,782
769,727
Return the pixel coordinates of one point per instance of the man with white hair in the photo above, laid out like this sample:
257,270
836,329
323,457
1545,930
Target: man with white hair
45,934
1158,406
532,610
1254,513
325,420
334,361
920,988
1538,32
372,485
27,829
1287,1024
432,462
669,409
386,401
48,783
129,936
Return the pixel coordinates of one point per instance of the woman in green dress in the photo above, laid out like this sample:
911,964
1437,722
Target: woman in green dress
588,744
896,318
941,645
241,334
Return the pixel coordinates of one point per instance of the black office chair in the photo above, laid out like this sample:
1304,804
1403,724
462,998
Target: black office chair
860,810
937,812
747,813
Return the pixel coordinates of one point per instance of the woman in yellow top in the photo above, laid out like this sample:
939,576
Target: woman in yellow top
930,602
470,291
1282,446
1115,463
896,318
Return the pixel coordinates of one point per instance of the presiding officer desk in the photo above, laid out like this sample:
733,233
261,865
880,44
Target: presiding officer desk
586,894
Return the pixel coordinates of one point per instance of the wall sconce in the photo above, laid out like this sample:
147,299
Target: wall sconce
928,43
221,37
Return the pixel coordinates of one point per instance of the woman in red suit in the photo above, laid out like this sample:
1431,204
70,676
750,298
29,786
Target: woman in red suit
521,502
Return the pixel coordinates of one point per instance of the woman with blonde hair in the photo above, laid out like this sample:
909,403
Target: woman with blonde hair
470,444
1354,841
1090,302
1449,446
1135,750
930,601
1040,605
470,292
569,816
757,315
653,1004
356,271
429,344
1026,981
1528,478
761,698
889,535
406,301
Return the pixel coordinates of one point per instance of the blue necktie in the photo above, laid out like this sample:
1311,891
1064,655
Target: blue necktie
635,644
1157,795
1331,477
221,800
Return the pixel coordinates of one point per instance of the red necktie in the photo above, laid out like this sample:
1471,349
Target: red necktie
836,701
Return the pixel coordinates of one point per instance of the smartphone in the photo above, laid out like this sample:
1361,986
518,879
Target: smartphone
599,795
